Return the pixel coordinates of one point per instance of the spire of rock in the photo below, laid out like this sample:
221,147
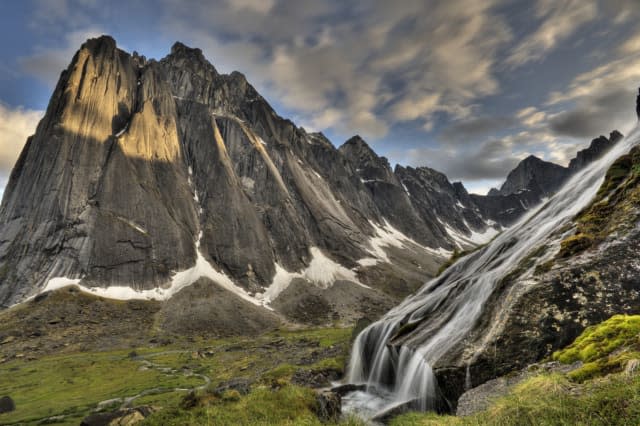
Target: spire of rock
638,104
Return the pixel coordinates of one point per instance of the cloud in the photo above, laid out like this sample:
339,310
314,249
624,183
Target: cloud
47,63
531,116
595,115
260,6
355,67
600,100
560,20
474,129
16,124
487,160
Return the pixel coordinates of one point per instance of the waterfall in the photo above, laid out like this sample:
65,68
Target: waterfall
449,306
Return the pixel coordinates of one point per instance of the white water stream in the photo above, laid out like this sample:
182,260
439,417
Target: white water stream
450,305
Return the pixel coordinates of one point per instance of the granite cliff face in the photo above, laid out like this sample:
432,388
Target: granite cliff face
145,176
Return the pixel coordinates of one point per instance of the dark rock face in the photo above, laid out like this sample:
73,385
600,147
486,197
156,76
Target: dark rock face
142,169
560,305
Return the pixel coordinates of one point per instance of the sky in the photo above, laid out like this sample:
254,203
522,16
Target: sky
466,87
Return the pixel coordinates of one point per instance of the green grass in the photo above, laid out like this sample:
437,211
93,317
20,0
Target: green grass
286,405
551,400
73,384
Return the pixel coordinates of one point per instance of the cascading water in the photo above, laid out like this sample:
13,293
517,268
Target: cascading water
449,306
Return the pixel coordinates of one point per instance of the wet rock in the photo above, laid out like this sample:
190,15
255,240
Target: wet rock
361,324
315,378
329,406
385,416
342,390
6,404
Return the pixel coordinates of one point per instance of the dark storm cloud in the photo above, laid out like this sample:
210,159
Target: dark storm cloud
487,160
596,114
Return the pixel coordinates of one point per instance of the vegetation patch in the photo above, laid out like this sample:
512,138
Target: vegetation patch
614,209
249,380
603,348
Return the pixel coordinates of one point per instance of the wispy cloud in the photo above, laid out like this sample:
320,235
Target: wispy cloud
559,20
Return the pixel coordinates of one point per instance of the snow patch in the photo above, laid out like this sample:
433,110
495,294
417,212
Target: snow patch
388,236
406,189
475,238
56,283
180,280
322,272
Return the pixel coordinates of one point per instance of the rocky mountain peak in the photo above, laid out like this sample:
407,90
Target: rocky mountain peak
192,55
533,173
103,43
367,163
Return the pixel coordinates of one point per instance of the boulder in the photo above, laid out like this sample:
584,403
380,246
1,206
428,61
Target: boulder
6,404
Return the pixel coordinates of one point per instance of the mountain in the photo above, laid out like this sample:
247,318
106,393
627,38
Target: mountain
530,291
534,174
145,177
544,178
